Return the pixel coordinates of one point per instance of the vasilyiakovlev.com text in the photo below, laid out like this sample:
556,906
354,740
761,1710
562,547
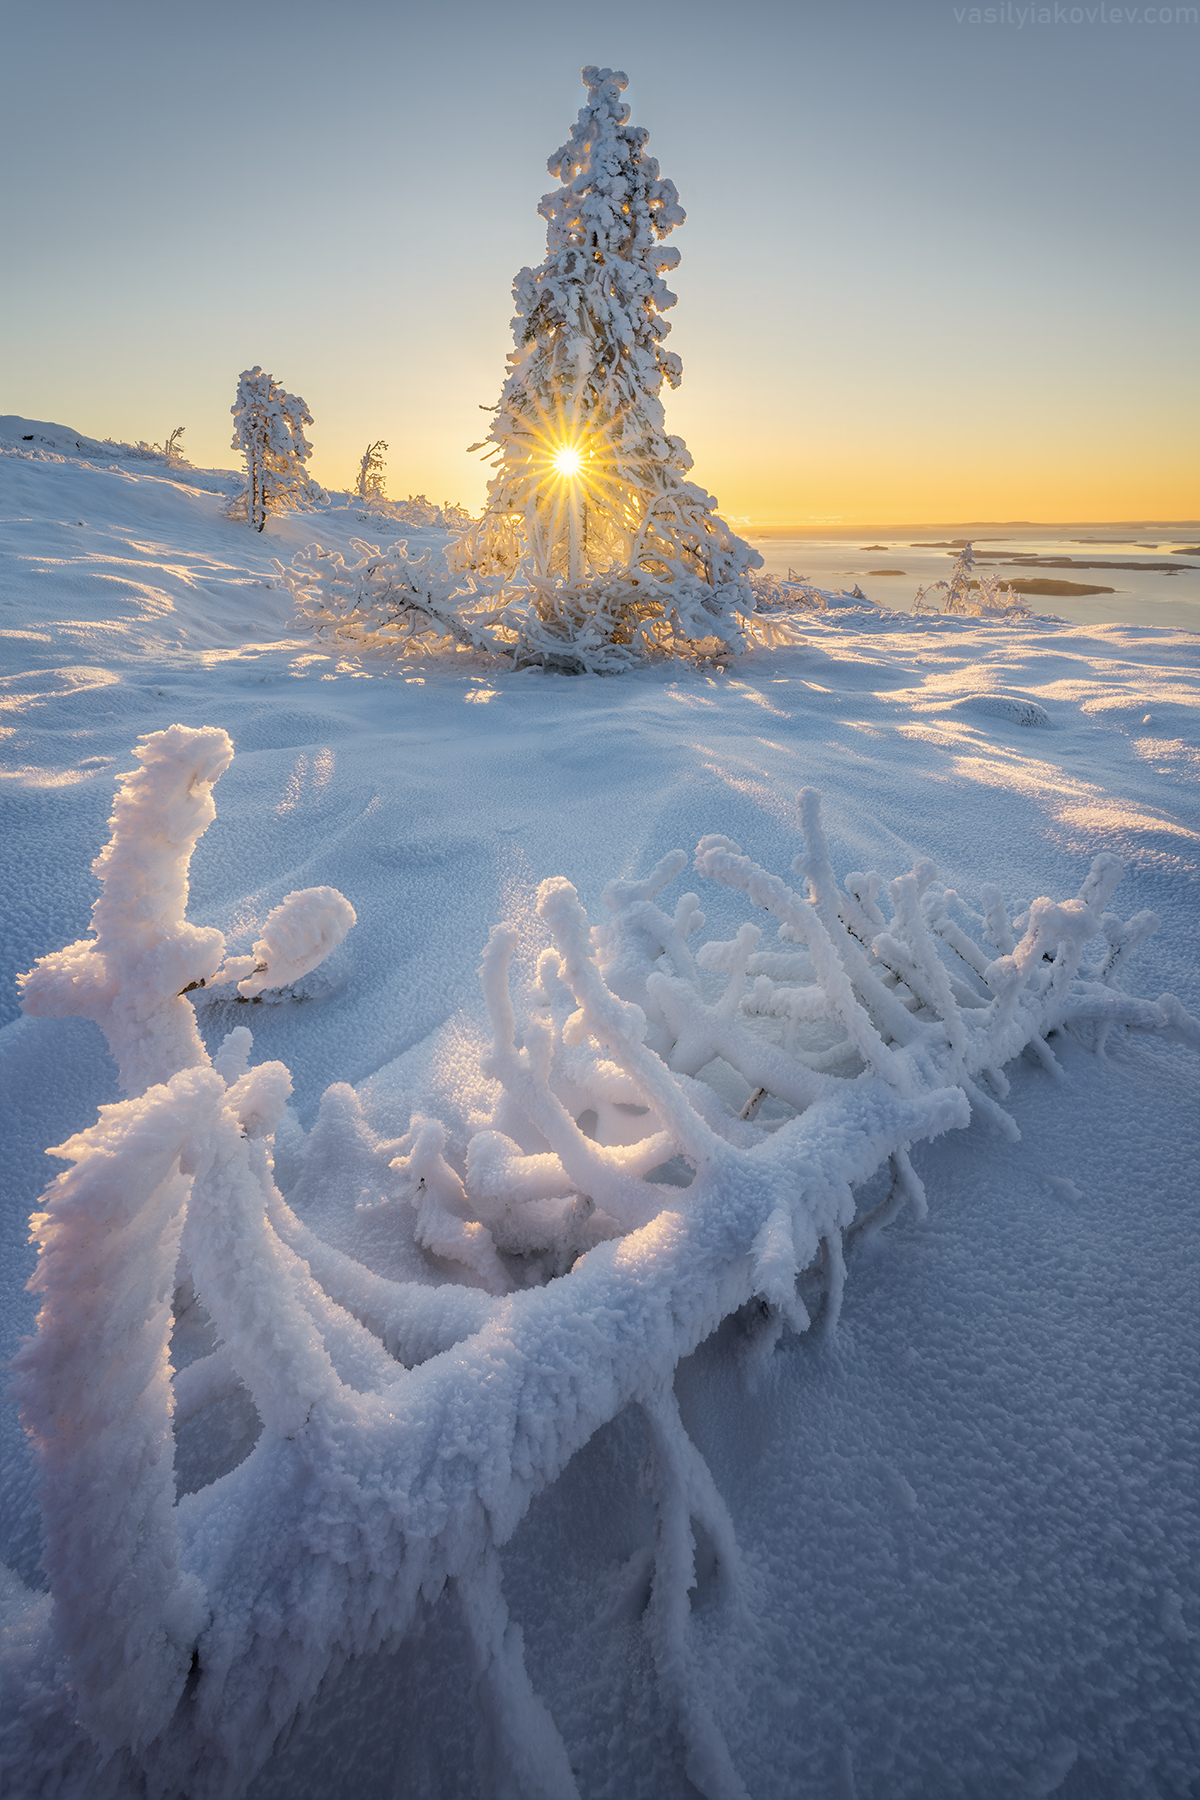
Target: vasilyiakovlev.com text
1020,16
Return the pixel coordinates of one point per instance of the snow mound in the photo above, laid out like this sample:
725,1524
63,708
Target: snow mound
41,439
1014,709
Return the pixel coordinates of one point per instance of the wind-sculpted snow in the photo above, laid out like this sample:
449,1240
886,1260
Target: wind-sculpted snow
609,1216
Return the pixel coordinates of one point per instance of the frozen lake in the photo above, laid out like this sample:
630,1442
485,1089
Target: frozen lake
1142,597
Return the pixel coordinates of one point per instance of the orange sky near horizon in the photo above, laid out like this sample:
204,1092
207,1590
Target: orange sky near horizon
903,485
1126,466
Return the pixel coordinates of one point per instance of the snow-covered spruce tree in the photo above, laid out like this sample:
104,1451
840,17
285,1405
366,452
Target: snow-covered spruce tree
590,501
268,429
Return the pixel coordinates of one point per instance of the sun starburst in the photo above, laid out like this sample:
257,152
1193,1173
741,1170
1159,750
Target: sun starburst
567,461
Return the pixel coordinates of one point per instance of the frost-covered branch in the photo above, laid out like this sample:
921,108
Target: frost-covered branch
143,953
391,603
298,935
133,975
684,1492
95,1390
370,472
613,1210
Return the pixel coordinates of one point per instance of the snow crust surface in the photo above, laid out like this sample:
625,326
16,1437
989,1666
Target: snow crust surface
967,1523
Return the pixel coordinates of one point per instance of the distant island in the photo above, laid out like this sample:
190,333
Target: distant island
1027,560
1061,588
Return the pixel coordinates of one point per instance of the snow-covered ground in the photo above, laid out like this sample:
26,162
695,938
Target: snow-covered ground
971,1520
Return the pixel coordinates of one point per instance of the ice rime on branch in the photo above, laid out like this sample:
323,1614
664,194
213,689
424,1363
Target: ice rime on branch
132,976
558,1274
371,479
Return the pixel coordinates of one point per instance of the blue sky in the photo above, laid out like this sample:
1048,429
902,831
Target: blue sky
931,268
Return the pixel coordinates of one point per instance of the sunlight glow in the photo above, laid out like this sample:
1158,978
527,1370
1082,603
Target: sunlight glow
568,462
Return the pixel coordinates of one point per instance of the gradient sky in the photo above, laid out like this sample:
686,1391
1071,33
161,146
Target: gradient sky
932,269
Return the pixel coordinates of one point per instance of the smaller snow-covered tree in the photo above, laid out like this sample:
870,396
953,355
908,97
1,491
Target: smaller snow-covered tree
268,429
370,472
989,598
173,448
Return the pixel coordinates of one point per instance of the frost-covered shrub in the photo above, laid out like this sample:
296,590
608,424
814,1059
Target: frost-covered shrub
390,602
417,513
370,472
988,598
268,429
170,452
677,1132
65,444
773,594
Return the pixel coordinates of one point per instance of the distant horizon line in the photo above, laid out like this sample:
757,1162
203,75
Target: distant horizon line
830,526
859,528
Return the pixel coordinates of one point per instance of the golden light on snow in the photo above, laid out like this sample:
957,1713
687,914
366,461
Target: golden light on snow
567,462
